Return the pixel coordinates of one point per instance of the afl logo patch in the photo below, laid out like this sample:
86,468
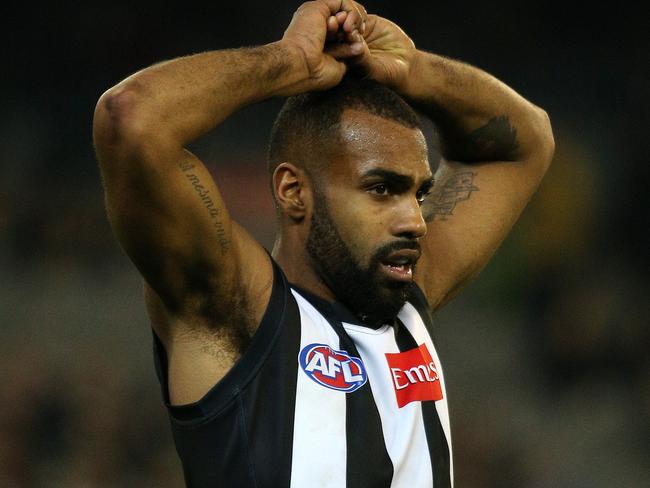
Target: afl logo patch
336,370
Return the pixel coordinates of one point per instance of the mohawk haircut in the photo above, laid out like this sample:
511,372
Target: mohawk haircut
308,124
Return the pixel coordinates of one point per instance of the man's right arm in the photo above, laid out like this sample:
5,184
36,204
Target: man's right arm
162,202
163,205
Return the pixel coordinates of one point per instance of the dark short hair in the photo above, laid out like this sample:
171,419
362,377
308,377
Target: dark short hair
309,123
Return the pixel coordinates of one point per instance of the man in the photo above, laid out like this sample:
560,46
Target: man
315,366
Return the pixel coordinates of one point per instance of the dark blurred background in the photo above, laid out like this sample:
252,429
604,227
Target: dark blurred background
546,354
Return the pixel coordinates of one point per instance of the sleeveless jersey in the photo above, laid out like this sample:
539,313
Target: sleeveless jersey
319,400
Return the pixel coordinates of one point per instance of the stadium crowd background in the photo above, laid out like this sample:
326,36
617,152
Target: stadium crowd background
546,354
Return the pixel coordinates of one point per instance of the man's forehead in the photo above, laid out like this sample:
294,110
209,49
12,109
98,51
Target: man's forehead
359,124
368,142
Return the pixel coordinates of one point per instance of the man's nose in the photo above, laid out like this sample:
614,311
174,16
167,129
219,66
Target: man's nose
409,220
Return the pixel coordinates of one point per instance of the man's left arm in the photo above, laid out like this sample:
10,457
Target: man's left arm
496,147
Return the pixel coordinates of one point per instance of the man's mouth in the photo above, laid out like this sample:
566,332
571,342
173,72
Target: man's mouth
400,272
399,264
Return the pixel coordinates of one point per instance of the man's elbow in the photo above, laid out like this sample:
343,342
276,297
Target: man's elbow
118,120
544,140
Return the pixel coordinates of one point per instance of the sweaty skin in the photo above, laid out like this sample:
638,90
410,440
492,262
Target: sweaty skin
368,212
372,191
207,281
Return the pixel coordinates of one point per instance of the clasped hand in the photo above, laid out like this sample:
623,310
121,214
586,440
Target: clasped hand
337,35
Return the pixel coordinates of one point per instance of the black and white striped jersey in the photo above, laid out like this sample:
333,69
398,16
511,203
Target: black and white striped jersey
319,400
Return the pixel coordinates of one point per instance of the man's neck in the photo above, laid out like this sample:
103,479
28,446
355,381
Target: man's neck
296,266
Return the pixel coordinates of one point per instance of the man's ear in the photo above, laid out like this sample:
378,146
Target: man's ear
292,190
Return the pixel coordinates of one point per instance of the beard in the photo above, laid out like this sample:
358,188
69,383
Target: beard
372,297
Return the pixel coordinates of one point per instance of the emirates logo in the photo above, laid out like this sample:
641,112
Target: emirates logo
414,375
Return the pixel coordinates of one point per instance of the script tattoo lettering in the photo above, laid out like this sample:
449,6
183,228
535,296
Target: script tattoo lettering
496,140
208,203
455,188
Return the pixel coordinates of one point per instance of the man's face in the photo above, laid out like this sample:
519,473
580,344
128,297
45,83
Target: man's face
366,223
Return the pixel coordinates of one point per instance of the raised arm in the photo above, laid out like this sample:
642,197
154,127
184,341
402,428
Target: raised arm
496,148
202,269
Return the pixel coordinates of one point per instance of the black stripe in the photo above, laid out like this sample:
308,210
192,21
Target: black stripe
404,339
270,400
368,463
419,301
436,440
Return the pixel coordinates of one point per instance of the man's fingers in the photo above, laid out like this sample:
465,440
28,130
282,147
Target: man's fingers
342,19
340,67
346,24
338,5
345,50
332,24
332,28
364,17
353,20
335,7
350,37
349,14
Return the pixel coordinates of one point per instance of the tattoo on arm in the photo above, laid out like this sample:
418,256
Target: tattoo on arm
455,188
208,203
495,141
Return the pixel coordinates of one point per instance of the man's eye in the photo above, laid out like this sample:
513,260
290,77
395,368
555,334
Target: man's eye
379,189
421,195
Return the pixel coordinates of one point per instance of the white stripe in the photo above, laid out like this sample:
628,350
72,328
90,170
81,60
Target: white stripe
403,428
413,322
319,437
